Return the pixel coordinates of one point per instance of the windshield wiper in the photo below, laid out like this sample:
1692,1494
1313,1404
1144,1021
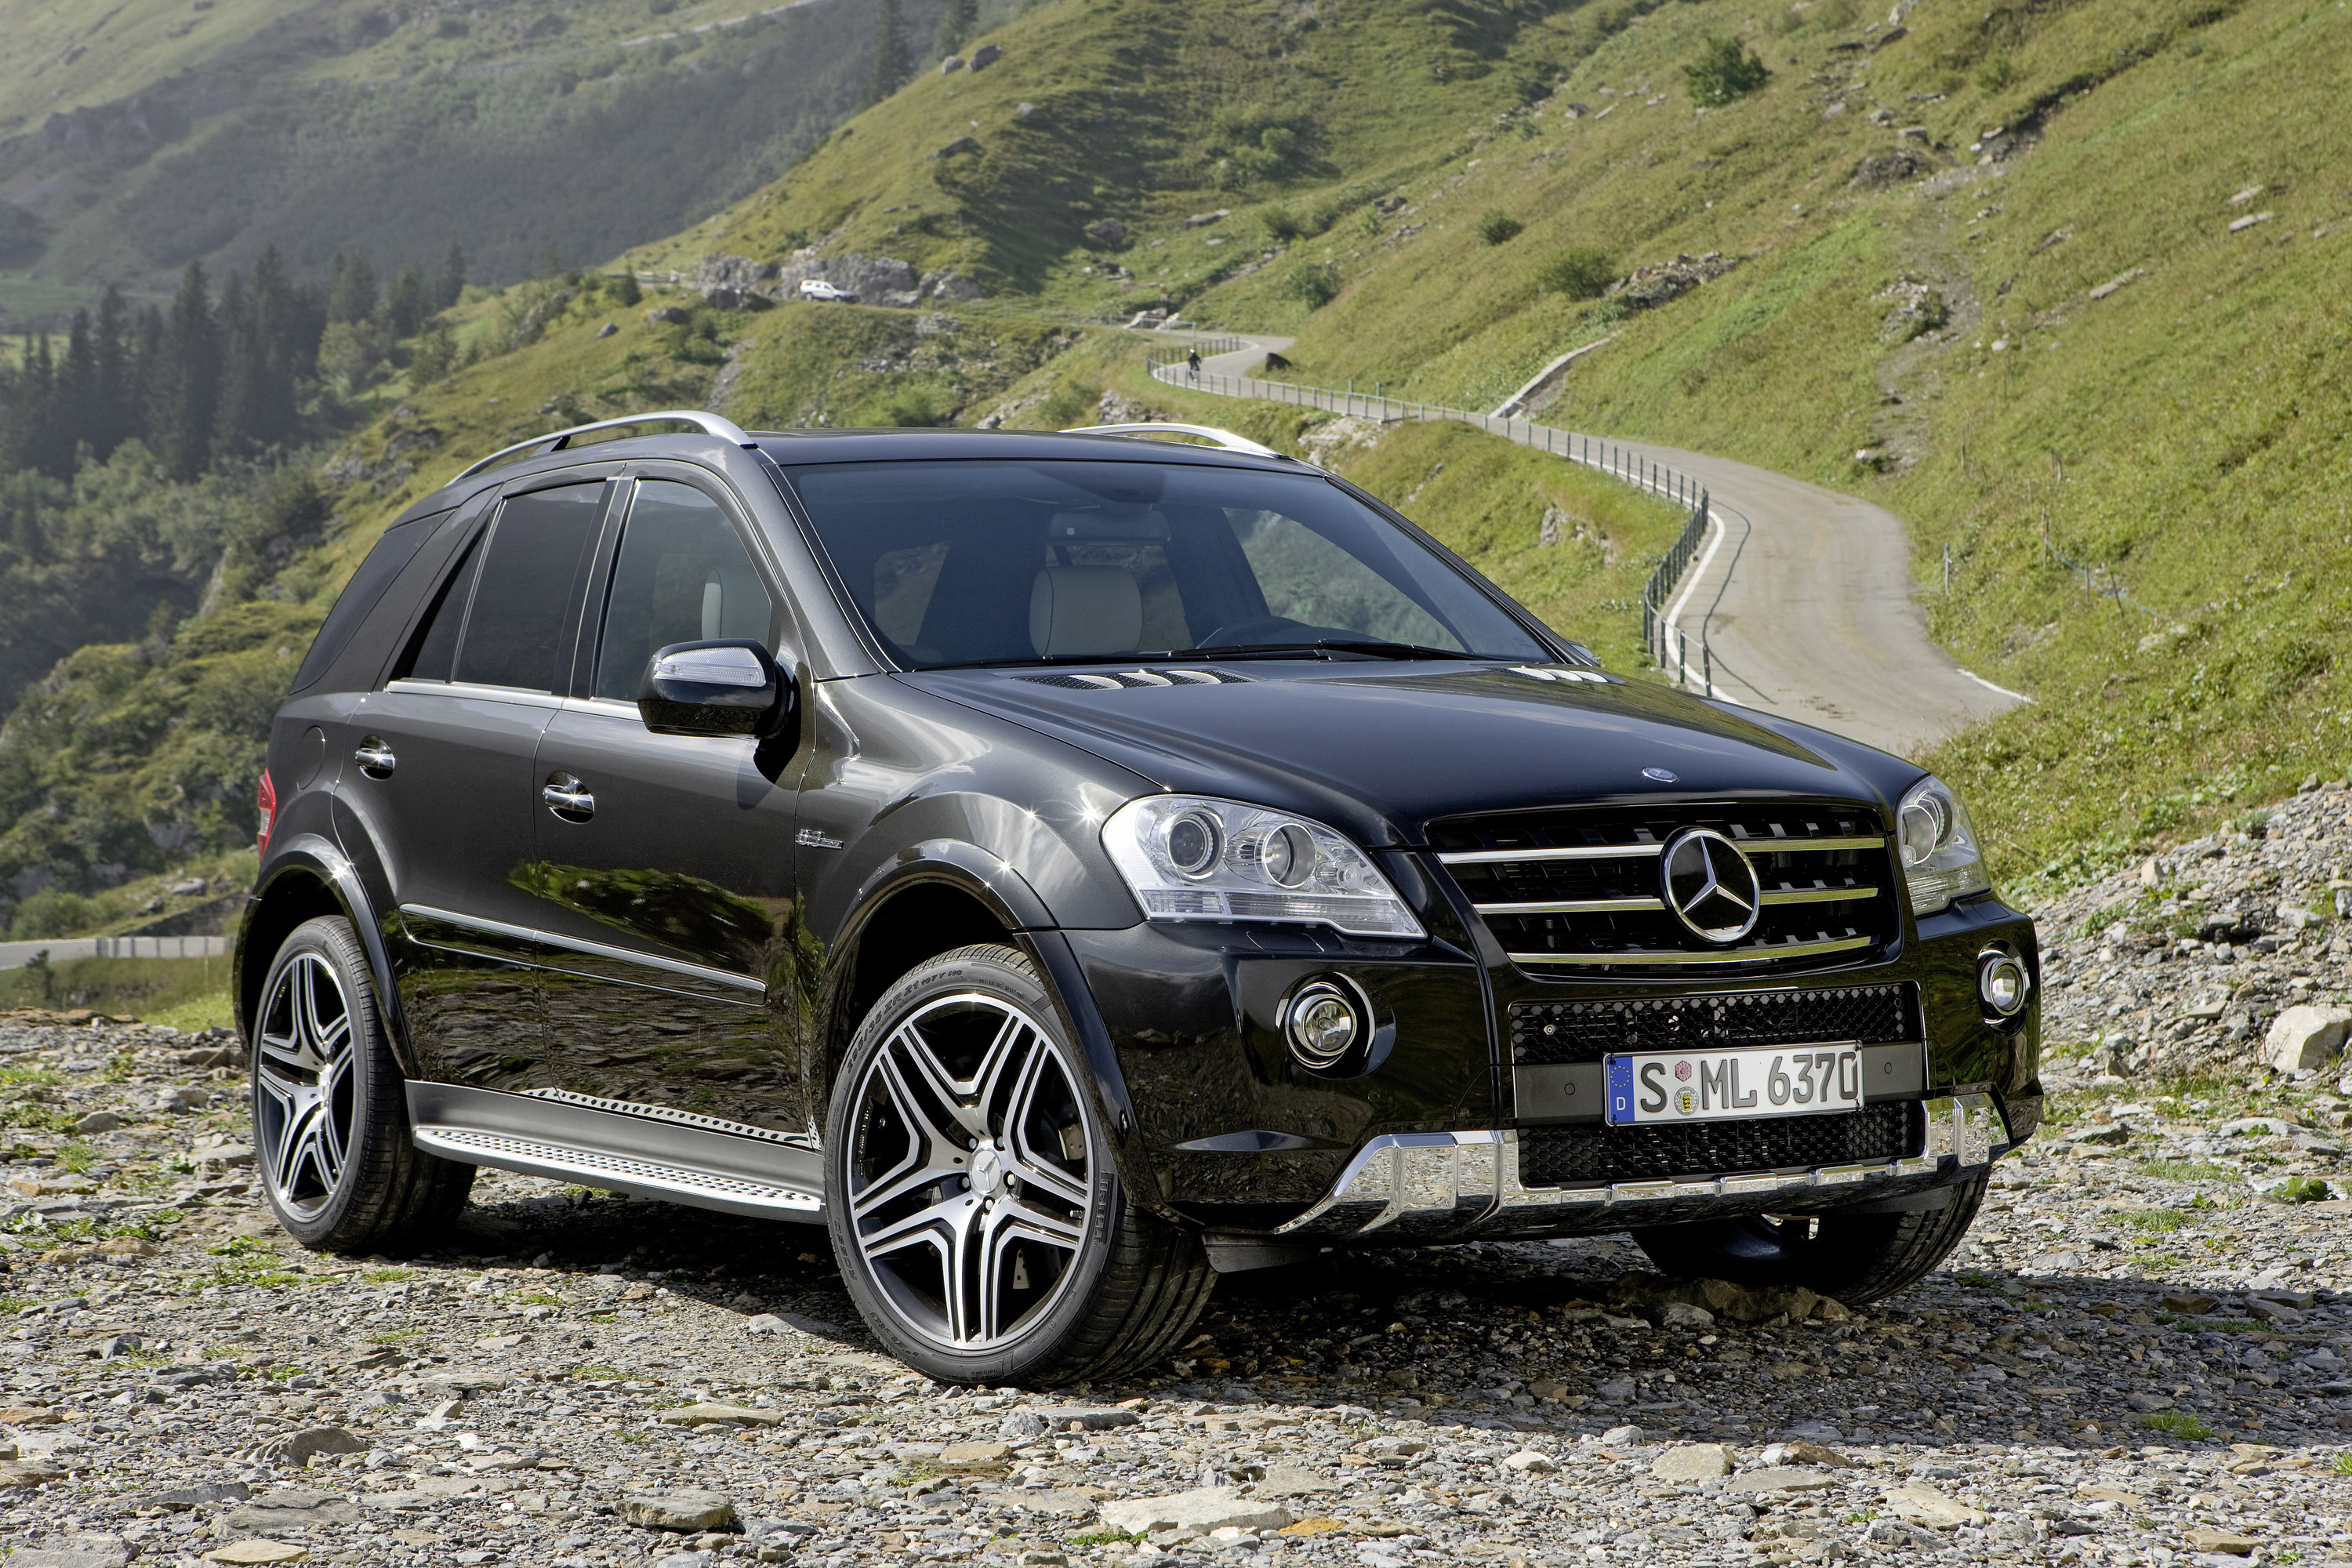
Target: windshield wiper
1320,647
1284,650
1372,647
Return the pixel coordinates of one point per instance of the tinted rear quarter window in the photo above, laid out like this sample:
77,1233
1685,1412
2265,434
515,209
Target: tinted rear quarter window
392,552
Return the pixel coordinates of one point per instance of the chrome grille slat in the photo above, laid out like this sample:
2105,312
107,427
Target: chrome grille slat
1715,956
1578,888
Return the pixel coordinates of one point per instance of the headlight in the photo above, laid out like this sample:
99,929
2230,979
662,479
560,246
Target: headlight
1189,858
1941,857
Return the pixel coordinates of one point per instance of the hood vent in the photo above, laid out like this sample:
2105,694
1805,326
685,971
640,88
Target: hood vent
1125,677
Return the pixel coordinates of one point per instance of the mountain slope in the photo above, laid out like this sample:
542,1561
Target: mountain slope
2056,326
143,137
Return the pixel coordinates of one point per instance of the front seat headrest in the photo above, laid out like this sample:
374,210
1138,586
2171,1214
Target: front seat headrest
1085,610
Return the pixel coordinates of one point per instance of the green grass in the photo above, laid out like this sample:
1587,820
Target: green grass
2187,1171
186,993
2155,1222
2177,1424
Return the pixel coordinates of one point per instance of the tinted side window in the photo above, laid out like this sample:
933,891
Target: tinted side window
683,575
436,645
529,572
395,551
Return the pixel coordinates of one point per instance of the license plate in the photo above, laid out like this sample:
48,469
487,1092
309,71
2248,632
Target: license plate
1710,1085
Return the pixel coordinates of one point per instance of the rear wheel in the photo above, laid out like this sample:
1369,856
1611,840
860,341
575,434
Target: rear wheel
975,1212
330,1111
1855,1258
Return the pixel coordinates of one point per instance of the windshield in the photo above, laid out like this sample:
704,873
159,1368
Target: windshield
1022,562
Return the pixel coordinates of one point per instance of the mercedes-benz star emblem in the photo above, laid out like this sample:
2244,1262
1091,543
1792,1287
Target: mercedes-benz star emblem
1710,884
1664,775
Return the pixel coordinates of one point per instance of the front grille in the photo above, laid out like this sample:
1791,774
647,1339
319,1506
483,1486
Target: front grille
1580,891
1568,1156
1544,1033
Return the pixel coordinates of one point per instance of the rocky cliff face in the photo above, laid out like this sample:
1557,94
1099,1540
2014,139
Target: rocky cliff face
728,282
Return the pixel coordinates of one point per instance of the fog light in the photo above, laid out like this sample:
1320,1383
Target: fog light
1325,1019
2003,983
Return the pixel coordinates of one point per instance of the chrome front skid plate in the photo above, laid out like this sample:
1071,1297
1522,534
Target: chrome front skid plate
1447,1186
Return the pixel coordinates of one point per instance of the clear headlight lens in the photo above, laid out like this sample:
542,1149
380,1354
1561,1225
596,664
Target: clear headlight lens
1190,858
1941,857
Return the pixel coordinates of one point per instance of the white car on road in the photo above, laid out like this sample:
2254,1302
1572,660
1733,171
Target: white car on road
818,289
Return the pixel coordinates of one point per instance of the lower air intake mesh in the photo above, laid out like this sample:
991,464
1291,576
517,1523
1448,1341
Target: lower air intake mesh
1562,1156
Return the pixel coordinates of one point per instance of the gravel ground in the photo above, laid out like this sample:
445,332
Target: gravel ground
2138,1357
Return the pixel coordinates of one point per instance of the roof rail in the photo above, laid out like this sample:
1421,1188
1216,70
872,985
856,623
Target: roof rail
555,441
1225,439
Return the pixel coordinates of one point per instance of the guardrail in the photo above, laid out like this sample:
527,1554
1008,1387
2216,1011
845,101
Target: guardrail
1669,646
64,950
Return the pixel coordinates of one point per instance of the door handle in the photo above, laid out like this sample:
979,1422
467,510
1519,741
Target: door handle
568,797
375,758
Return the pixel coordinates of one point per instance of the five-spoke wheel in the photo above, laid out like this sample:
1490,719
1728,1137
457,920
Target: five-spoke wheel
304,1096
978,1219
330,1113
969,1178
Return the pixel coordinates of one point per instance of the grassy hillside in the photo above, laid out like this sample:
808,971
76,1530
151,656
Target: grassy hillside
1908,225
136,138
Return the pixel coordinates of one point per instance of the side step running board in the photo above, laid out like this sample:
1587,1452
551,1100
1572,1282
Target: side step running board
643,1156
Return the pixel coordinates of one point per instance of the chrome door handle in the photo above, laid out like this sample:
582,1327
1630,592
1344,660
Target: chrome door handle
569,798
375,758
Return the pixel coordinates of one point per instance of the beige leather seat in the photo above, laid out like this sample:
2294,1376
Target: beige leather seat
1085,610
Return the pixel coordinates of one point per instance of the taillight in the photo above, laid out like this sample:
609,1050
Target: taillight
265,799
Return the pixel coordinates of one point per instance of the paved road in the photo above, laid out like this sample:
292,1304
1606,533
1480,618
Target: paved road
1805,597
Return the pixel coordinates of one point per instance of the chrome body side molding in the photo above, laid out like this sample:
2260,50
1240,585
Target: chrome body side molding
574,945
683,1161
1449,1187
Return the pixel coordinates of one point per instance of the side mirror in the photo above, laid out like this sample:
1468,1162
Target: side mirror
728,688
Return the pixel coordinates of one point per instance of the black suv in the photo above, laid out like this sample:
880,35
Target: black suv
1070,866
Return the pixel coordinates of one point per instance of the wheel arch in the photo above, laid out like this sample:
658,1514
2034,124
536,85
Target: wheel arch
309,877
940,895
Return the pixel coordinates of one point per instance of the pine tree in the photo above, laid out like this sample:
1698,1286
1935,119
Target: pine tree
350,293
77,393
244,367
408,303
184,379
452,281
286,348
956,24
890,54
116,416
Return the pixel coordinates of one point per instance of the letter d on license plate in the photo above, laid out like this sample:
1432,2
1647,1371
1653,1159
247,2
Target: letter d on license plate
1709,1085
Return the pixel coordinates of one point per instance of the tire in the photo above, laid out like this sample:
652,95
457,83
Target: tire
963,1149
329,1115
1855,1258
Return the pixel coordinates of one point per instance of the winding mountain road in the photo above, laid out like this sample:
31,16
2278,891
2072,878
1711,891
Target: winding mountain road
1804,595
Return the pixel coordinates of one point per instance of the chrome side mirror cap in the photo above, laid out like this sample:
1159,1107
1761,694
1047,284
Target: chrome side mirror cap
724,688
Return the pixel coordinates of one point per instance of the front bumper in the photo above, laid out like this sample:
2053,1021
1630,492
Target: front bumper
1451,1186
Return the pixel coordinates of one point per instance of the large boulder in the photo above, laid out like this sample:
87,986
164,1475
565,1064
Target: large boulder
2306,1037
1196,1512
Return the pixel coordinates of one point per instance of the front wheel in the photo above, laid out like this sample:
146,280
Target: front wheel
330,1113
974,1210
1854,1258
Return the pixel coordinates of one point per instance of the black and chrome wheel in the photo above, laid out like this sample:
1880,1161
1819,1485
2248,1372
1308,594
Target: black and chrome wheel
330,1120
1854,1258
970,1192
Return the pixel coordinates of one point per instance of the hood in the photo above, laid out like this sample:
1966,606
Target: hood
1378,751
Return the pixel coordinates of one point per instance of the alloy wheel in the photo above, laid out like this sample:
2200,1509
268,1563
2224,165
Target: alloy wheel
305,1093
971,1171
